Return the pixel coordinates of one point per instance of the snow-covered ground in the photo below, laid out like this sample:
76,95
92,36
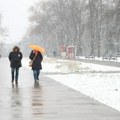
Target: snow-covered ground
100,82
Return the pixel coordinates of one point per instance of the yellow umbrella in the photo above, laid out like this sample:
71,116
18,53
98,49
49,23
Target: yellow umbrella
38,48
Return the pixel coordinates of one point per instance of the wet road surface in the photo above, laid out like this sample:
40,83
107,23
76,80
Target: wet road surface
46,100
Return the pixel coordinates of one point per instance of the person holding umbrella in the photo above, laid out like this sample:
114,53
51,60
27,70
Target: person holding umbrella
36,58
15,58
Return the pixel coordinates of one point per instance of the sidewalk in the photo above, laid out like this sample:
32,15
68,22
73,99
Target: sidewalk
46,100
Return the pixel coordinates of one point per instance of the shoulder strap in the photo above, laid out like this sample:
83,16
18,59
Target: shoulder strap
34,57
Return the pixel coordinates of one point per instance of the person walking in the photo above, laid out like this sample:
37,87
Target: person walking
36,58
15,58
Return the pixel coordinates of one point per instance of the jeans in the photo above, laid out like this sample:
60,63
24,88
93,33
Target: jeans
15,73
36,74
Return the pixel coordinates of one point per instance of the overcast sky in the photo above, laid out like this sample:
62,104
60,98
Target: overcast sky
15,14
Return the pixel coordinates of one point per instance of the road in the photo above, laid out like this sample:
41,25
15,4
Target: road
108,63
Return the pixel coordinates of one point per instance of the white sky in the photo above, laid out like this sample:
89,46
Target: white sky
15,17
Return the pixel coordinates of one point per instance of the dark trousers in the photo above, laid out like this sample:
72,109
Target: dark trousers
36,74
14,73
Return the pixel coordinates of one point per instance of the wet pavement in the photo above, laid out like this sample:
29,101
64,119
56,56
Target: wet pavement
46,100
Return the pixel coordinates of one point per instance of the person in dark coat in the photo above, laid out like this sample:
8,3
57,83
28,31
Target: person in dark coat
15,58
36,66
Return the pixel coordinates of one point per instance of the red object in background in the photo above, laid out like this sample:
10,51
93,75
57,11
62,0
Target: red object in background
71,52
70,49
62,48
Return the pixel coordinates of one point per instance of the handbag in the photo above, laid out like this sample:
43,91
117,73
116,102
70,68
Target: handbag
31,62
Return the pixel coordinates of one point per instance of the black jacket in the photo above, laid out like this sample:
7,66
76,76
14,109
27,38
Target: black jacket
37,62
15,59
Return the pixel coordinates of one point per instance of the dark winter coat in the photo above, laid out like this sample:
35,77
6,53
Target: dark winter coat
15,59
37,61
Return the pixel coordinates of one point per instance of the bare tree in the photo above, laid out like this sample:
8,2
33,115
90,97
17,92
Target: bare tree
92,26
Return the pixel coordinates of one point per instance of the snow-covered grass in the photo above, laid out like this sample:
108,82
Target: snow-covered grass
100,82
67,66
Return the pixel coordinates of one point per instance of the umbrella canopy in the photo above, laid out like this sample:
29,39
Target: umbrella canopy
38,48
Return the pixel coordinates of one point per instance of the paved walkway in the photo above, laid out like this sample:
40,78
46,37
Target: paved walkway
46,100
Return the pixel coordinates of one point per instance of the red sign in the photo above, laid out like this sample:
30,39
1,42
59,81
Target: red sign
70,49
